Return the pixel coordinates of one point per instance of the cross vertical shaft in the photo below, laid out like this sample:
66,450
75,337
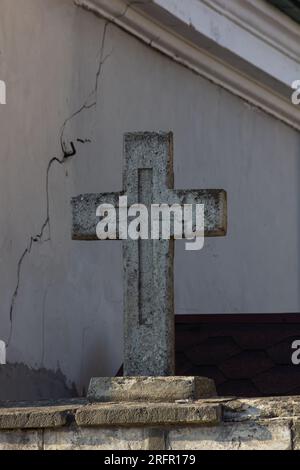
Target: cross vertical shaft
145,254
148,279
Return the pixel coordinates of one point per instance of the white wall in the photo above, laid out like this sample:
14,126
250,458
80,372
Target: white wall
67,313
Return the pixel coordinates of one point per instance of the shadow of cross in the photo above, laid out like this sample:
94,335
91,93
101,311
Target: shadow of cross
148,264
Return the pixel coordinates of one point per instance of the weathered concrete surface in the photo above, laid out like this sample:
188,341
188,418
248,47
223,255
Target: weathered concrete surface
194,425
149,329
148,414
103,439
245,436
45,417
296,433
151,389
21,440
260,408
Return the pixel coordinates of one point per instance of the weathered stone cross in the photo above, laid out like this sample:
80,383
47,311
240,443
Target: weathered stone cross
148,264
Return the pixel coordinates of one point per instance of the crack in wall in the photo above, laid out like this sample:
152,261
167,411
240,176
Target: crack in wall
67,154
38,238
93,95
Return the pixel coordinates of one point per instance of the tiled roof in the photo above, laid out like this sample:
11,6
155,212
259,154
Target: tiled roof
245,355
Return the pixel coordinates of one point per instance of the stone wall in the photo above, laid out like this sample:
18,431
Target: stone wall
221,424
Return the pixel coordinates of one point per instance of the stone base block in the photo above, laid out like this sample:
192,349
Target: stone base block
152,389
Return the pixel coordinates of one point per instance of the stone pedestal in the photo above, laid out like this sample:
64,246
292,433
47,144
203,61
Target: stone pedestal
150,389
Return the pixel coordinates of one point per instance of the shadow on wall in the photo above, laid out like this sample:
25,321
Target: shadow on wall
20,383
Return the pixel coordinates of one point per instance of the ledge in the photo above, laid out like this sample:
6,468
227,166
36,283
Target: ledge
238,410
149,414
38,415
205,412
109,414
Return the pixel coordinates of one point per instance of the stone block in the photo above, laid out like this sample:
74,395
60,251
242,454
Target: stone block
21,440
148,414
261,408
35,417
164,389
239,436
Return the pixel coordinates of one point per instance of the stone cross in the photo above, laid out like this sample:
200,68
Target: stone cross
148,264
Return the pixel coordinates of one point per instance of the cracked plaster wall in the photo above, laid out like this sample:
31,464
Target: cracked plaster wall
75,84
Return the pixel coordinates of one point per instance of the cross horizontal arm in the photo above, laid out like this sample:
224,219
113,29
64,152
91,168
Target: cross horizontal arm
84,208
215,208
84,220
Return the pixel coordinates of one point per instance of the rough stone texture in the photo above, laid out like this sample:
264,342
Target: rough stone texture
21,440
296,433
254,424
243,436
38,417
84,208
148,264
76,438
261,408
162,389
148,414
